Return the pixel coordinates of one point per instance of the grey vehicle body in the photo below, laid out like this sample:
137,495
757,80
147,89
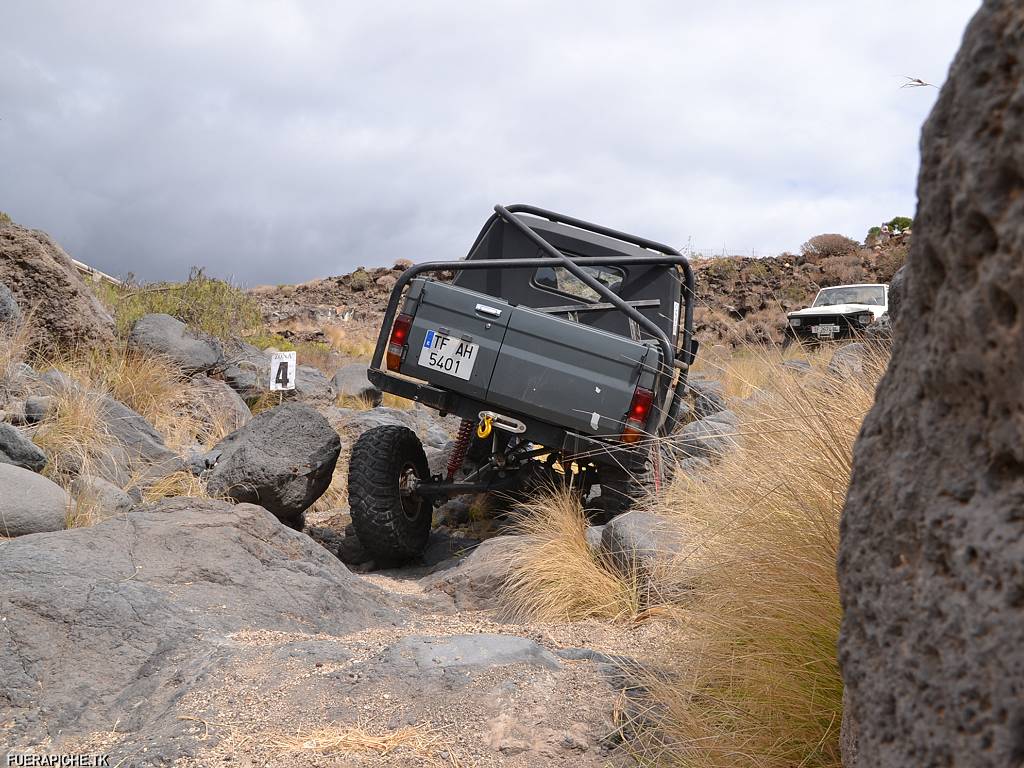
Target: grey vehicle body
571,340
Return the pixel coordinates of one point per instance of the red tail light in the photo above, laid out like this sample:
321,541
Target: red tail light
636,416
399,336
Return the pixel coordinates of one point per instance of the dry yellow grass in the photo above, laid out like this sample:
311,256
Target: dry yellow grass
411,742
73,436
180,483
554,576
353,342
751,677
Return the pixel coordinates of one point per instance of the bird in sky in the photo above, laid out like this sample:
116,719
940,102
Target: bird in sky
916,82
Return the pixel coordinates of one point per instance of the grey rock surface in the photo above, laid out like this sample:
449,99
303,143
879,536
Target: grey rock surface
102,498
708,438
221,405
38,407
168,337
931,555
283,460
18,450
42,277
29,503
137,452
708,396
350,381
849,360
637,542
139,614
475,583
10,312
436,654
897,290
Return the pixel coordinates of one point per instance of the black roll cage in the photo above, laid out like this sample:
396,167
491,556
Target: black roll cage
667,256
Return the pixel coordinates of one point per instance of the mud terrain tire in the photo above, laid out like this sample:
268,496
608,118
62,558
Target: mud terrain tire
391,525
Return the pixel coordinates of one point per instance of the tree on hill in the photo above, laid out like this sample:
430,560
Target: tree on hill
826,245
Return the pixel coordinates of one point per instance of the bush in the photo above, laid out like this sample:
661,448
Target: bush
751,677
841,270
901,223
872,236
828,245
5,219
359,280
204,303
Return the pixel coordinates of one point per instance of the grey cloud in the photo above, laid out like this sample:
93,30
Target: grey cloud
280,142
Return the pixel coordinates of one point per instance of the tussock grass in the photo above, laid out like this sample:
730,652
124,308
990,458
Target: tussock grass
73,436
751,676
353,342
554,576
15,346
180,483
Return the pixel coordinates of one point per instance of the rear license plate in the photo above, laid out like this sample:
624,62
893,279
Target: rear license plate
449,355
826,330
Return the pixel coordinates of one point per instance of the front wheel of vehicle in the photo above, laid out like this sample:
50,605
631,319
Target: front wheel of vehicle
390,519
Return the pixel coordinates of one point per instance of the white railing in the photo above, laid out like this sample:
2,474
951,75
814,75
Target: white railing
95,275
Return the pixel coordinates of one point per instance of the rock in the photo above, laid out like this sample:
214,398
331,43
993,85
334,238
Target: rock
38,407
168,337
594,535
848,361
454,512
141,614
800,367
708,397
354,422
705,439
476,582
31,503
311,386
18,450
386,281
350,381
10,313
637,542
137,453
283,459
897,289
931,552
41,276
350,550
222,408
433,655
102,498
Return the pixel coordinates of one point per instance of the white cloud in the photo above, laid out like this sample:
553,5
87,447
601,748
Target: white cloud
282,141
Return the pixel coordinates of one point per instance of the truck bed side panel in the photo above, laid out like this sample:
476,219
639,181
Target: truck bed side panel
565,373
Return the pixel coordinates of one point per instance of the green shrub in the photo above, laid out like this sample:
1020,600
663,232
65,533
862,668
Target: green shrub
263,339
359,280
902,223
5,219
872,236
824,246
204,303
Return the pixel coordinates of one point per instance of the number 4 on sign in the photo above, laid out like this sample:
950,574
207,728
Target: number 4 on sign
282,371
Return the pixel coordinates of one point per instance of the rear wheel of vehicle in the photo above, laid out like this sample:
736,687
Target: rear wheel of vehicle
391,520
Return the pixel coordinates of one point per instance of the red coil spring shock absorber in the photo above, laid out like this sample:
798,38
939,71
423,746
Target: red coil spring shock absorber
460,448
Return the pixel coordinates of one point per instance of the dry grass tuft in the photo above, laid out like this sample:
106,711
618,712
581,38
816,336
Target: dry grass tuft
355,402
180,483
554,576
74,437
15,344
751,677
353,342
414,741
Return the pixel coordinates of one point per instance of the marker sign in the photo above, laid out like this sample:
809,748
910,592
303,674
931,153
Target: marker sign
282,371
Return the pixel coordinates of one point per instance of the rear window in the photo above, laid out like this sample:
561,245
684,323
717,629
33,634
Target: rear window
561,280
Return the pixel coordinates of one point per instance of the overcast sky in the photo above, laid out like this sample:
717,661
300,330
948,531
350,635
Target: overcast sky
281,141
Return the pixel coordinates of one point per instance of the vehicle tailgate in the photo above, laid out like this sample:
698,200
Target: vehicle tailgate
567,374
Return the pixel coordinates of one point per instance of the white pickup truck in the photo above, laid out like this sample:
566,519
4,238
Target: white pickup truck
839,312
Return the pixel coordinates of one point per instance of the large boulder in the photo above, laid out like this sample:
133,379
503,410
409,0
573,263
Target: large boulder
708,397
638,543
137,452
45,282
931,555
897,289
141,614
165,336
350,382
476,582
219,406
18,450
29,503
248,373
283,460
100,498
709,438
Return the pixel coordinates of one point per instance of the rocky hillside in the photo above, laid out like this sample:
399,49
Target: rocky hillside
739,299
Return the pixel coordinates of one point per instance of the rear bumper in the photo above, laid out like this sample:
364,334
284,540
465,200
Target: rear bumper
540,432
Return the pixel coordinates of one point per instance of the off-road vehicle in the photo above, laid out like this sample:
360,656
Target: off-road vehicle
839,312
562,345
